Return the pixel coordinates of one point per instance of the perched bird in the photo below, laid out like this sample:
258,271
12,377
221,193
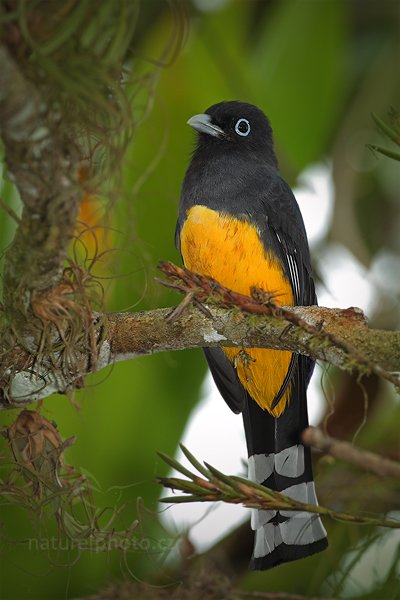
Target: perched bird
239,223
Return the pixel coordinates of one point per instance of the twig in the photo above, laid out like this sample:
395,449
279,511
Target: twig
232,489
384,467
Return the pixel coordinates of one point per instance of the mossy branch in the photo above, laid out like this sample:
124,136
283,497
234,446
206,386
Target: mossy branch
65,110
43,164
338,336
200,289
215,486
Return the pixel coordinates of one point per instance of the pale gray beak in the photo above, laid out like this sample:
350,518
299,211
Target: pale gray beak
204,124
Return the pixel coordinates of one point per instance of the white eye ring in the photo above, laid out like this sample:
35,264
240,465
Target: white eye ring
240,123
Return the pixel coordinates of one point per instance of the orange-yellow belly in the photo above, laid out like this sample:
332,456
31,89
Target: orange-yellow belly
231,251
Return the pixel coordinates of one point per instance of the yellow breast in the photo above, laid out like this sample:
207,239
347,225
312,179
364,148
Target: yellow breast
231,251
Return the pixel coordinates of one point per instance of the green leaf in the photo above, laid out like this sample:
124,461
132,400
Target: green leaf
386,129
226,479
195,462
385,151
176,465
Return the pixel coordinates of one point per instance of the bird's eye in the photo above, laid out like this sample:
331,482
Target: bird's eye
242,127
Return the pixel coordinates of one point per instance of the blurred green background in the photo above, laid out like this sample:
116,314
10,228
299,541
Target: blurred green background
318,68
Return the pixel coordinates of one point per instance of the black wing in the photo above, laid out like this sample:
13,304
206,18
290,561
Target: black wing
226,379
286,234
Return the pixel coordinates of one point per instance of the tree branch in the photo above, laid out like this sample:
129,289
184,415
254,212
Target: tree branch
123,336
384,467
43,163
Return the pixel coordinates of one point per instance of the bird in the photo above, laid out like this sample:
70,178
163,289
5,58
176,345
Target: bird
239,222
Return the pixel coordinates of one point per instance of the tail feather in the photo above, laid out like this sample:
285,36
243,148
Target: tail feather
278,460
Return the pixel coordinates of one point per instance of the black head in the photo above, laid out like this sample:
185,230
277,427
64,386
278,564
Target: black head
235,127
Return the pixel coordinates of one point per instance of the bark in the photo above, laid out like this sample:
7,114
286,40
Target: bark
123,336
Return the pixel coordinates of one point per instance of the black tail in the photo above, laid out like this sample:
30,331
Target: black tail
279,461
